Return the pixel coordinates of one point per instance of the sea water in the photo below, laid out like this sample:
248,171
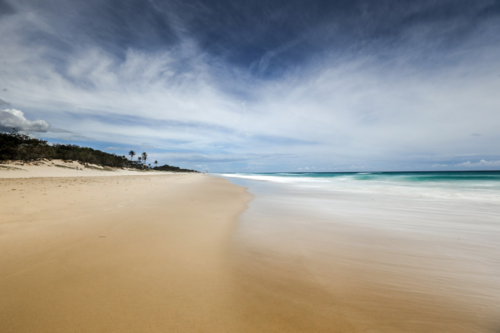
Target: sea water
434,233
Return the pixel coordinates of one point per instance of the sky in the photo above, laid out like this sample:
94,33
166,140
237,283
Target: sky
261,85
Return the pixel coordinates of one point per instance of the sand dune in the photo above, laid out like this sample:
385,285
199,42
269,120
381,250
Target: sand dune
60,168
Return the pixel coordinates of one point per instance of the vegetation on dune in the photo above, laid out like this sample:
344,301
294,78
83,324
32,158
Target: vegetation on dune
18,146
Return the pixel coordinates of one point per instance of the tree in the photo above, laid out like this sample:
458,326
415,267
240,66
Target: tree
131,153
144,157
156,163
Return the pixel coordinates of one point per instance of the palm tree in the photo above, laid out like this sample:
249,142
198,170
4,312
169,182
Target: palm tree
156,163
139,159
144,157
131,153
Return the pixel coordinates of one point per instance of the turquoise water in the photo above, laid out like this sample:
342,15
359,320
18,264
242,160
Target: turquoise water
473,185
487,178
410,176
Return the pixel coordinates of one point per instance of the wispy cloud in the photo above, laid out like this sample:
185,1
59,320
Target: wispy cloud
336,85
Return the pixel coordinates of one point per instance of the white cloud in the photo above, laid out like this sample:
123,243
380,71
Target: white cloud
481,163
361,112
12,118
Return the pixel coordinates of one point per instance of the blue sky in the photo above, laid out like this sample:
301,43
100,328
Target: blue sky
259,86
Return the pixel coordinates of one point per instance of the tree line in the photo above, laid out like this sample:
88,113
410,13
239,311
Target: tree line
22,147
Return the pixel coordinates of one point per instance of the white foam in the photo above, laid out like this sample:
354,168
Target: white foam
394,186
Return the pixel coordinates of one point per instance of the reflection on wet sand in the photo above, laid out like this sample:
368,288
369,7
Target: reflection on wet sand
305,269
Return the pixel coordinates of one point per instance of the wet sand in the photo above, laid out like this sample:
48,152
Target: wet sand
321,272
308,285
168,253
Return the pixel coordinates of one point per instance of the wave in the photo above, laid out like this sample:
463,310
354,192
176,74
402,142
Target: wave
464,185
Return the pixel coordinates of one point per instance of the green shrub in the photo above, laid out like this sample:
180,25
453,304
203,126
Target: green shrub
18,146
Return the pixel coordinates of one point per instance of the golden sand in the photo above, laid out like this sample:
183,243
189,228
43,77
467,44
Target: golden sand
116,254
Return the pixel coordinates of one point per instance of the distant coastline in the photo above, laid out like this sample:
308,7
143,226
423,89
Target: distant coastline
17,147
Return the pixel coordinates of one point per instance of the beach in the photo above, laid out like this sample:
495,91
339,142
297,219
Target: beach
160,252
116,254
187,166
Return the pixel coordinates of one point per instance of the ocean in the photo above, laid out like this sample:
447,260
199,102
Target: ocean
429,241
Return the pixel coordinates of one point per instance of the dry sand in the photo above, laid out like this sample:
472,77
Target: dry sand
157,253
116,254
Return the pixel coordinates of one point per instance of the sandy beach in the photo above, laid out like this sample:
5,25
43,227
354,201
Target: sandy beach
158,252
116,254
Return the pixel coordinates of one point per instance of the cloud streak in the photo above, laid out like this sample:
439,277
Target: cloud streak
331,84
